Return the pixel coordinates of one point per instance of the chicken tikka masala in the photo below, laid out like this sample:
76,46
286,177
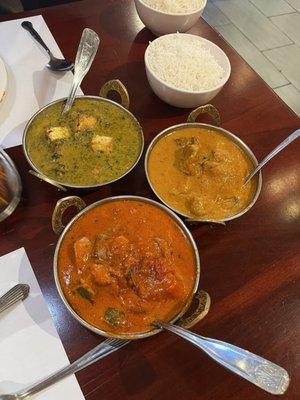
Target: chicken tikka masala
124,264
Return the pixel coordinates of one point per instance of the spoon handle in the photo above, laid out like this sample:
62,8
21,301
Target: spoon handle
105,348
277,149
29,27
86,52
257,370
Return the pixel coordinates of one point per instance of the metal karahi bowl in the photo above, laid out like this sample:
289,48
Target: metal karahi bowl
114,85
197,295
191,122
13,183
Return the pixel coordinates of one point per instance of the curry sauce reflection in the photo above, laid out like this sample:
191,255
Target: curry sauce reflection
200,173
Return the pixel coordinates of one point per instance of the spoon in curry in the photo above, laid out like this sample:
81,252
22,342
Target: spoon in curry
55,64
263,373
273,153
86,52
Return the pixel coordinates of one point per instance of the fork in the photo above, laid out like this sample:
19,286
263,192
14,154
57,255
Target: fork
96,354
15,294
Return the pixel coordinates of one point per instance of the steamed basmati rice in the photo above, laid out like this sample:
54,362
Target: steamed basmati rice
183,61
175,6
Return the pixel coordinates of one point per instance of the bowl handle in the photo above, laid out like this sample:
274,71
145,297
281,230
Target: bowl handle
61,207
203,300
207,109
116,86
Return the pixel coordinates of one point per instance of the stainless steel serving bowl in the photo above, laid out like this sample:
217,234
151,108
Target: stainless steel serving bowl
191,122
14,185
113,85
196,294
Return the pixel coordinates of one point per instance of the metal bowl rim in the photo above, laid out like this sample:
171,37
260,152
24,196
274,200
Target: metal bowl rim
188,235
235,138
83,186
16,196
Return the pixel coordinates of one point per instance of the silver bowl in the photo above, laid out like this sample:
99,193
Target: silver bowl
14,185
191,123
201,297
114,85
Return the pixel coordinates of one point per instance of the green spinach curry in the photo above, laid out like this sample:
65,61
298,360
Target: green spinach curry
94,143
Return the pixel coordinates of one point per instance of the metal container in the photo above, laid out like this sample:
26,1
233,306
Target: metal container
14,185
191,122
113,85
201,297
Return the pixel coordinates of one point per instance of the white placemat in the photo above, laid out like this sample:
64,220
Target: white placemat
30,84
30,347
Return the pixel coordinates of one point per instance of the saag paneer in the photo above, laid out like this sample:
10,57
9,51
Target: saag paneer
124,264
200,173
94,143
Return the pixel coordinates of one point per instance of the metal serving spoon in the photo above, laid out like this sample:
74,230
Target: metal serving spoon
273,153
257,370
86,52
100,351
55,64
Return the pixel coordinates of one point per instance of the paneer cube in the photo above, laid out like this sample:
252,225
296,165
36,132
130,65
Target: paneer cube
102,143
85,121
57,133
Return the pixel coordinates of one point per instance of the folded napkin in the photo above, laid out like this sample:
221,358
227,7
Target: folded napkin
30,84
30,348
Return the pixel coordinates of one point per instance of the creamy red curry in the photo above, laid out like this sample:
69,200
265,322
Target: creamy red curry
125,264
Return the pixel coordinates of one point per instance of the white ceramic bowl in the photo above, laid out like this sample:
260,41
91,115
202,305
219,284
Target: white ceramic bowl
185,98
161,23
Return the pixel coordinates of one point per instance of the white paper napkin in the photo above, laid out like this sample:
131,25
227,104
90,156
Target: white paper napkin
30,348
30,84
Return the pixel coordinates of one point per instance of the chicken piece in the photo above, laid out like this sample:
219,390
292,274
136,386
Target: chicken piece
82,249
187,156
119,245
153,280
163,246
102,143
85,122
220,154
173,286
100,248
131,301
196,206
57,133
101,275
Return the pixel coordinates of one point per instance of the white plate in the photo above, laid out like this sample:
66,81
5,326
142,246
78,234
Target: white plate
3,80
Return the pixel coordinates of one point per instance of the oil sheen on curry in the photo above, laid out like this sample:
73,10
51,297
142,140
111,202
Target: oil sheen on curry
124,264
200,173
94,143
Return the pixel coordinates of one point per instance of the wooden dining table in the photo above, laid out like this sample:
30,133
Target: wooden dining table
250,267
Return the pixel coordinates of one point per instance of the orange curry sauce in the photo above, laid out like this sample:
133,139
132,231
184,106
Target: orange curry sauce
124,264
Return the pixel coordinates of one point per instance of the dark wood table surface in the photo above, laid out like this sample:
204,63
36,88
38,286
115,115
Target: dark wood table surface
250,267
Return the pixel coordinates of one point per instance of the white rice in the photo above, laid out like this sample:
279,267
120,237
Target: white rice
183,61
175,6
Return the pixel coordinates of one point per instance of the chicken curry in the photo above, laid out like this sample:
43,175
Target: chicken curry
124,264
95,142
200,173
